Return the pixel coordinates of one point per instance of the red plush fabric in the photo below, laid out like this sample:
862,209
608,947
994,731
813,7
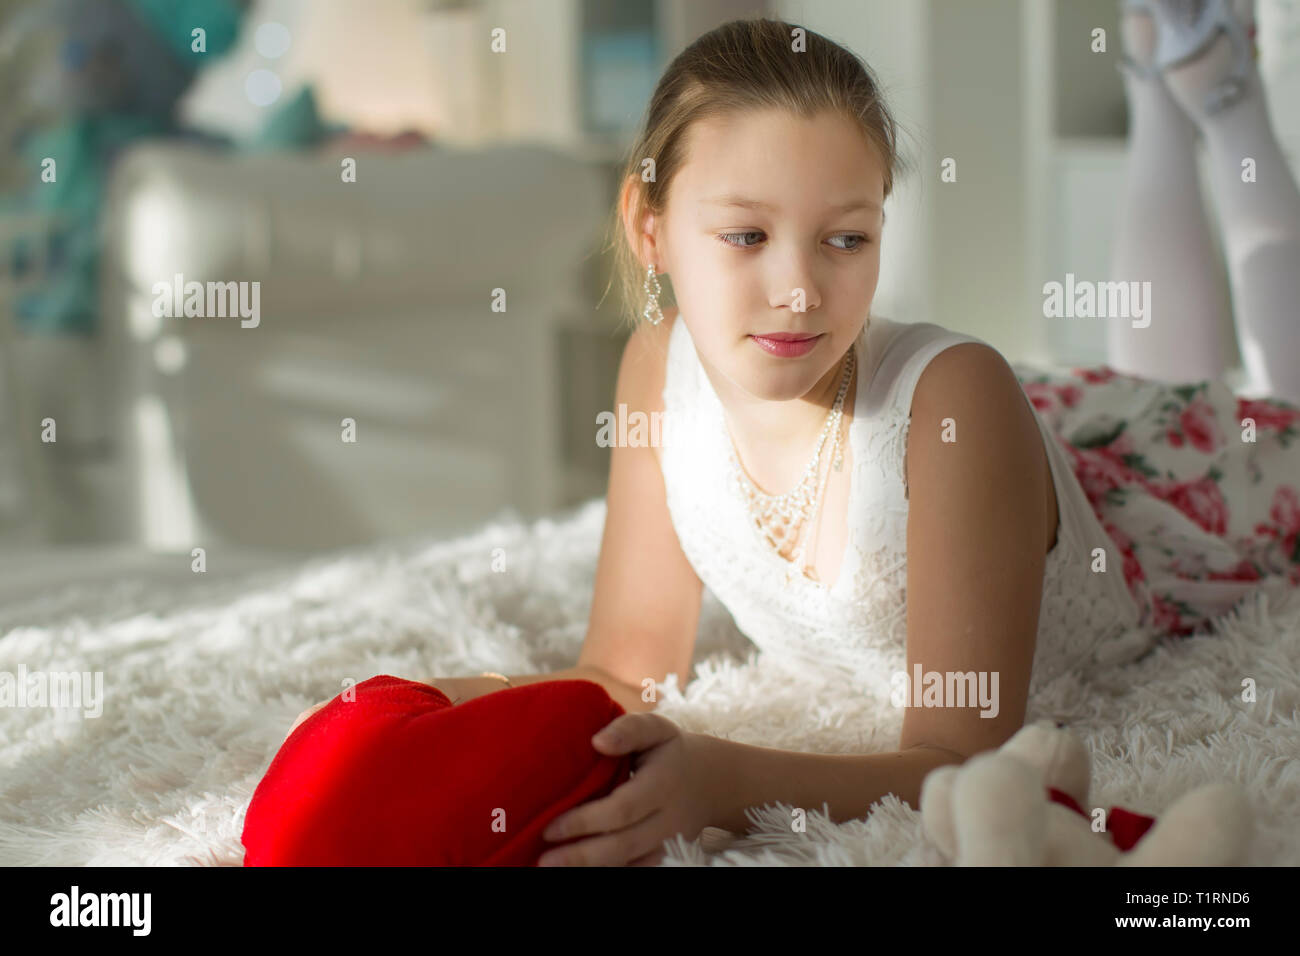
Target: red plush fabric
401,777
1124,826
1127,827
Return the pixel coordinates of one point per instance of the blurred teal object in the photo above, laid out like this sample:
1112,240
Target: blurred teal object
293,125
67,299
621,62
121,67
174,21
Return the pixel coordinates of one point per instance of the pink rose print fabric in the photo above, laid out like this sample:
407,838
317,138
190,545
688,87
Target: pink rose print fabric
1198,489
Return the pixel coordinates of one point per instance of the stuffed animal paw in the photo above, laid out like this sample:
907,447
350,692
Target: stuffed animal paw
1024,805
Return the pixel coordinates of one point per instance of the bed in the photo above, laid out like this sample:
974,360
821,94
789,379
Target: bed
204,673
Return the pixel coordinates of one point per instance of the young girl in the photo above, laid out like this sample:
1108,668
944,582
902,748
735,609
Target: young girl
867,497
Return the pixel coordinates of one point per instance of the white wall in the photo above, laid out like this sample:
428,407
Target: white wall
892,38
1279,60
980,221
954,253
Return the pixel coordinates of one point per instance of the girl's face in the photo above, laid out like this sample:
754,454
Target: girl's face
773,227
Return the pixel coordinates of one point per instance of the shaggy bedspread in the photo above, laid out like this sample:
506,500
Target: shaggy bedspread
202,683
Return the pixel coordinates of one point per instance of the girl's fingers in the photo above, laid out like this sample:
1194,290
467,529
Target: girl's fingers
637,797
634,732
610,849
629,804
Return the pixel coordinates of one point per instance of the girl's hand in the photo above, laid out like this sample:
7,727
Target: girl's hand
671,791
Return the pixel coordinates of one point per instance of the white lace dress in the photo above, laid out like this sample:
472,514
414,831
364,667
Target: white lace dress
857,627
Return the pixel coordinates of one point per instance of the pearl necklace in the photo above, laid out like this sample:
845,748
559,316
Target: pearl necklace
778,519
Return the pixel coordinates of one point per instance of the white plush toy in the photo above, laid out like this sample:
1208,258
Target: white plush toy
997,809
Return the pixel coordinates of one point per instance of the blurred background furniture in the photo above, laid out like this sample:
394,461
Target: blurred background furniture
376,302
483,169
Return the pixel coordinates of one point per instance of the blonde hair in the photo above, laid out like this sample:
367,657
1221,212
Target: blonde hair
748,64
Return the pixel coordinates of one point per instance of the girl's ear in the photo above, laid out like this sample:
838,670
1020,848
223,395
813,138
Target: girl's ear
639,224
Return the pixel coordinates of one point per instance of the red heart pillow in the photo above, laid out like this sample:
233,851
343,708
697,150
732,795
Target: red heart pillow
401,777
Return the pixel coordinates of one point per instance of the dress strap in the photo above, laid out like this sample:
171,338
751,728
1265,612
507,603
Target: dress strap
901,351
680,370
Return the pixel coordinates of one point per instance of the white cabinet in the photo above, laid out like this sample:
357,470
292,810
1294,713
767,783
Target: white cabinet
239,434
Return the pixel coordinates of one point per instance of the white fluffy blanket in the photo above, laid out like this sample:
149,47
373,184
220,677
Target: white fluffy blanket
201,689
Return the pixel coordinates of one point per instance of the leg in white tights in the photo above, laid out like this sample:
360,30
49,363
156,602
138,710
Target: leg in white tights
1260,219
1164,237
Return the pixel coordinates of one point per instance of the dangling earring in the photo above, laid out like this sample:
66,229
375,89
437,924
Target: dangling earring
652,313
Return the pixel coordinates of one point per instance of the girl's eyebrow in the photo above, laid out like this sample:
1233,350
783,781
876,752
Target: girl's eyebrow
746,203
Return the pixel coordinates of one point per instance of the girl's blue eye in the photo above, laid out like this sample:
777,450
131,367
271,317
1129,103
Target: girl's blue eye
730,237
862,241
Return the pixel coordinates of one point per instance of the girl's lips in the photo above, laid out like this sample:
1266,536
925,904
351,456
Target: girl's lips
786,344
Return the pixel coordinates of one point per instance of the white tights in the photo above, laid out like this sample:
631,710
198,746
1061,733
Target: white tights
1164,235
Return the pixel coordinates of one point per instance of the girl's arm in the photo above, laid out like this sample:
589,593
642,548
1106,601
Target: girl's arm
978,527
646,606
